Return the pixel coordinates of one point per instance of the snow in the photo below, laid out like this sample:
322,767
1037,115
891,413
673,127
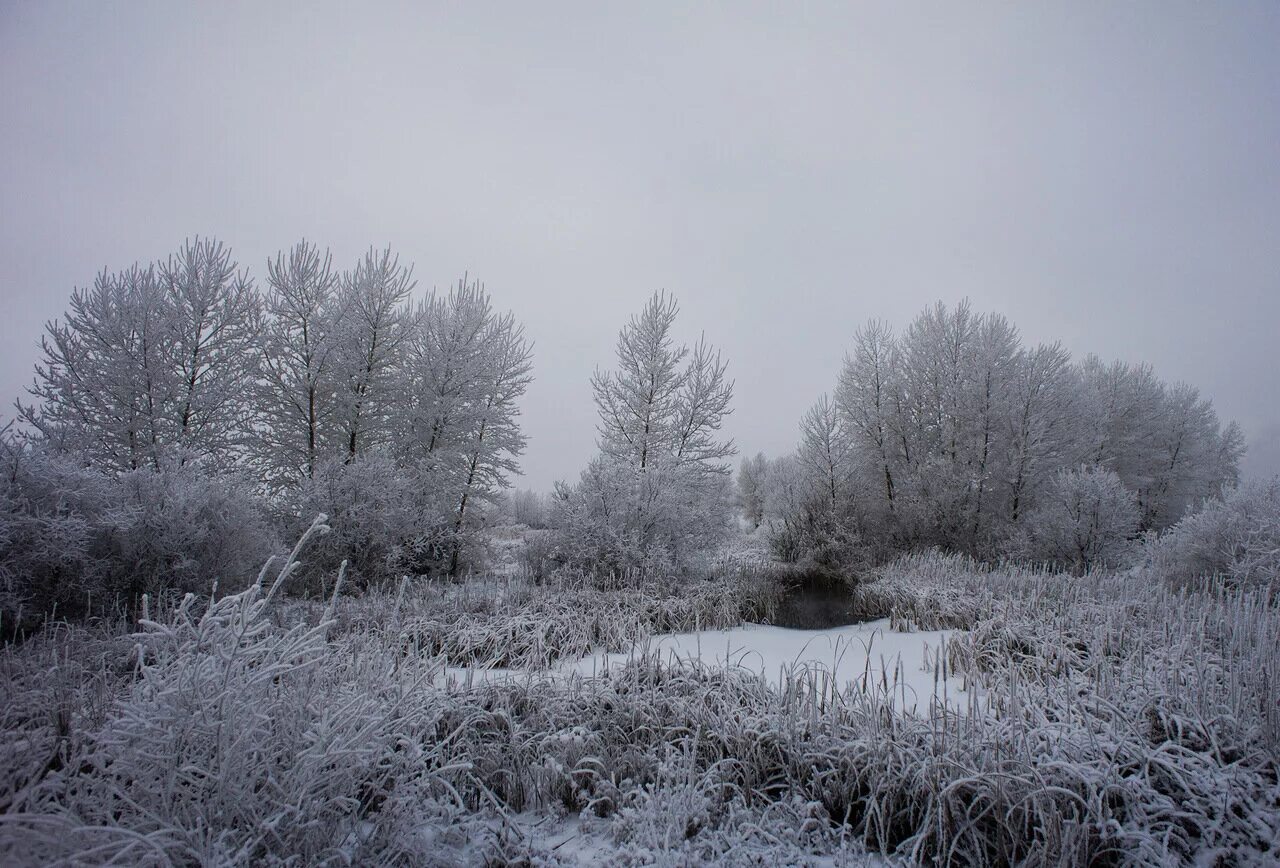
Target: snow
869,656
583,840
574,839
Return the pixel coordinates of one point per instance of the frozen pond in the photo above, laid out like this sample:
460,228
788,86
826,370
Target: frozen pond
867,657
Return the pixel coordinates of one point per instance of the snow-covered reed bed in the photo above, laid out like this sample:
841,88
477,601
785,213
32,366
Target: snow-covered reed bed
519,625
1119,723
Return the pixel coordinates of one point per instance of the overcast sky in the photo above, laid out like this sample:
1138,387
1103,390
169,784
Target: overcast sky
1104,174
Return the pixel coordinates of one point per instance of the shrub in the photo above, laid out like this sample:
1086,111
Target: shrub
54,534
618,522
1103,722
179,529
376,513
76,540
821,544
1085,520
1236,539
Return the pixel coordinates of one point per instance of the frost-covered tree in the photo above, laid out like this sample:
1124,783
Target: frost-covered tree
663,404
214,324
658,495
870,403
527,507
490,452
1236,540
104,383
824,454
639,402
1043,428
298,387
152,363
954,430
1164,442
1195,457
993,364
752,475
432,390
785,490
448,362
938,377
466,368
375,322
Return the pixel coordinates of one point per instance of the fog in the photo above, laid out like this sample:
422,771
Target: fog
1102,176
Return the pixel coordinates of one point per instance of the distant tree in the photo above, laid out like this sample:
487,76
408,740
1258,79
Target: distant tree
466,367
1043,425
495,440
105,381
993,365
1165,443
639,402
527,507
953,432
447,365
752,475
432,391
825,454
664,404
786,489
1195,458
1235,540
870,403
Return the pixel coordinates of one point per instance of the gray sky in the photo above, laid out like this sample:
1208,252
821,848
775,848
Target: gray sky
1104,174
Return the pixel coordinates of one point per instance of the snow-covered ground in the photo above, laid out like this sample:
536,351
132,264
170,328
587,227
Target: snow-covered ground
869,657
578,840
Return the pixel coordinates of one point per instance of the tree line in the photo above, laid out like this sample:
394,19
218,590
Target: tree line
183,421
955,434
325,390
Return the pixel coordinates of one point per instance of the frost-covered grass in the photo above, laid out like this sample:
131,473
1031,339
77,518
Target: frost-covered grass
512,623
1120,722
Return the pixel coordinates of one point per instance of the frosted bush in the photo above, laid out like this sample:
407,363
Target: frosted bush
1085,520
1236,539
54,533
76,539
1103,722
377,515
180,529
238,742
